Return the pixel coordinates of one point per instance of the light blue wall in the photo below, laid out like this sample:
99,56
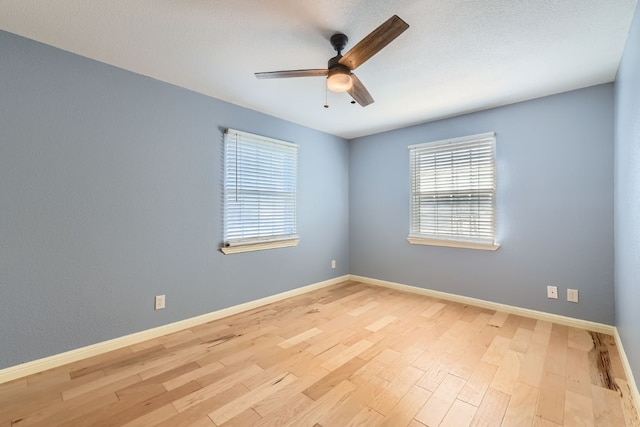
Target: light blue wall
554,203
627,197
110,193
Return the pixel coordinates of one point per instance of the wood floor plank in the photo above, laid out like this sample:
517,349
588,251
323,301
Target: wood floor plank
12,387
476,386
363,308
367,417
434,411
298,363
507,374
400,363
154,417
467,363
533,364
498,319
521,339
437,370
104,385
408,406
607,408
303,336
578,379
285,412
460,414
135,406
580,339
496,351
275,401
328,382
578,410
198,413
614,355
215,388
24,404
381,323
433,309
347,354
236,407
556,361
344,411
510,326
542,332
324,405
522,406
541,422
397,388
630,412
121,357
552,398
491,410
60,413
192,375
248,417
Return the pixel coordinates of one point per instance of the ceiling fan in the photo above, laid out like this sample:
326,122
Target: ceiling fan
339,70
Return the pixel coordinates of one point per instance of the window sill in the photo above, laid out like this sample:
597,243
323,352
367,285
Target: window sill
453,243
259,246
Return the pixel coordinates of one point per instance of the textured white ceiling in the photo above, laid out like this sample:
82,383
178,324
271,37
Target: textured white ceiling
457,56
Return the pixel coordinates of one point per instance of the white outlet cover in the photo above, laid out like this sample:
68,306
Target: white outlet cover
572,295
552,292
160,302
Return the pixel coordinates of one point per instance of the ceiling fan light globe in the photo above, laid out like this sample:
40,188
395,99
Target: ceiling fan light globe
339,82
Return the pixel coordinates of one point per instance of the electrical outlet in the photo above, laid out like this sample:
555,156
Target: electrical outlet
572,295
333,263
552,292
160,302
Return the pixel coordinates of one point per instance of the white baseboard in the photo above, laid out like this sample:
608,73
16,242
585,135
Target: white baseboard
628,372
56,360
540,315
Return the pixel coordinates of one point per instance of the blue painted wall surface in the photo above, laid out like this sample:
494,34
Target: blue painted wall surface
110,193
554,207
627,196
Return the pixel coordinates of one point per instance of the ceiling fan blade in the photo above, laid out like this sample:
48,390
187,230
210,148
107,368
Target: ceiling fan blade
374,42
292,73
359,92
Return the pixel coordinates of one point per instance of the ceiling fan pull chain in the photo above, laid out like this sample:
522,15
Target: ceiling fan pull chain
326,102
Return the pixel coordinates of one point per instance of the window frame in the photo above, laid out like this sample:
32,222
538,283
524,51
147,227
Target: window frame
485,180
263,184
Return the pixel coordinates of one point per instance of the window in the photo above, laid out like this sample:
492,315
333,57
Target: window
453,189
260,180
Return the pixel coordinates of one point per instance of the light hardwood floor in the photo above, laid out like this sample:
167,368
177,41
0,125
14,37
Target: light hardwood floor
346,355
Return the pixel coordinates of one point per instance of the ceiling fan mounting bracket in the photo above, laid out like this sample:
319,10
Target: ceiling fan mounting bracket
339,42
337,68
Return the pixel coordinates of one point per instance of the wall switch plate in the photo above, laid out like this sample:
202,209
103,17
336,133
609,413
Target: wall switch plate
552,292
333,263
572,295
160,302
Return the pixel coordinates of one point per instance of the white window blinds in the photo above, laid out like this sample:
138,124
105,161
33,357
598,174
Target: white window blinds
453,184
260,180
